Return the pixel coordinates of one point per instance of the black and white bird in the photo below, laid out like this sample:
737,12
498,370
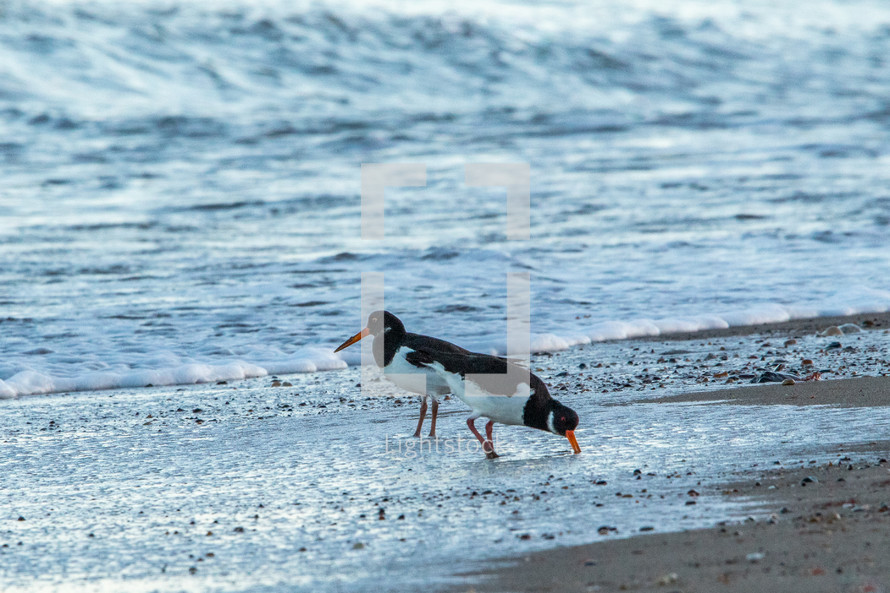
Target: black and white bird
491,386
501,391
392,345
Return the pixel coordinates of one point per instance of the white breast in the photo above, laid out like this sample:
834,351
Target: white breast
418,380
506,409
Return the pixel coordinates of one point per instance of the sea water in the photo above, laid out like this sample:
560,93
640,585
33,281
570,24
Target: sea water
180,180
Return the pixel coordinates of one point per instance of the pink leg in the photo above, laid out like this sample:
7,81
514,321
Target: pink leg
490,451
422,416
487,446
433,424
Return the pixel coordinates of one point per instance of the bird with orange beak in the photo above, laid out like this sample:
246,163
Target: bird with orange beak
391,346
491,386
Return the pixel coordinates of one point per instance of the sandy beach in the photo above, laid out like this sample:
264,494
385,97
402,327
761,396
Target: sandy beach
813,526
828,530
307,483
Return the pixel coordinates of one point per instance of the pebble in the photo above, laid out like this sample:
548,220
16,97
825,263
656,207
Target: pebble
773,377
754,557
832,330
668,579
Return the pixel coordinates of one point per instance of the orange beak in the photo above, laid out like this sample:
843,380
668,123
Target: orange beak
570,434
365,332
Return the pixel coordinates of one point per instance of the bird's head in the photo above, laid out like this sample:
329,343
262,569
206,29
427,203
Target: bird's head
563,420
379,322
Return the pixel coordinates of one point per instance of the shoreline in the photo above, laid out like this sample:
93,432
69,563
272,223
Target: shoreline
804,325
214,372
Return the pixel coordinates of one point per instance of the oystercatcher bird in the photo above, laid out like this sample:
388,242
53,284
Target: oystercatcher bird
392,345
492,386
501,391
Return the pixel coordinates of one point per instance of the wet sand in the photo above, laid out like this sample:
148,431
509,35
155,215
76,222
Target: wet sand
311,483
794,327
859,392
820,527
830,533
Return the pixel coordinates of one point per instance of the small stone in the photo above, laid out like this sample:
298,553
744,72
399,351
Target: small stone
21,518
788,382
809,480
833,346
667,579
806,362
790,343
832,330
850,328
754,557
238,530
772,377
358,546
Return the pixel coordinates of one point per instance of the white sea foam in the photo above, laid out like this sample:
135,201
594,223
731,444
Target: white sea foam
171,370
34,383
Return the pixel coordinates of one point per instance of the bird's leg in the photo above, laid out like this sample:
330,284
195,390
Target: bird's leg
490,451
433,422
486,446
471,422
422,416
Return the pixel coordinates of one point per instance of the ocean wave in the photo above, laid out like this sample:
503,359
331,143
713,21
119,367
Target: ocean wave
175,371
106,61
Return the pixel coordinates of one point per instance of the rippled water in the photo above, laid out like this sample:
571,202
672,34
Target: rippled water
180,197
